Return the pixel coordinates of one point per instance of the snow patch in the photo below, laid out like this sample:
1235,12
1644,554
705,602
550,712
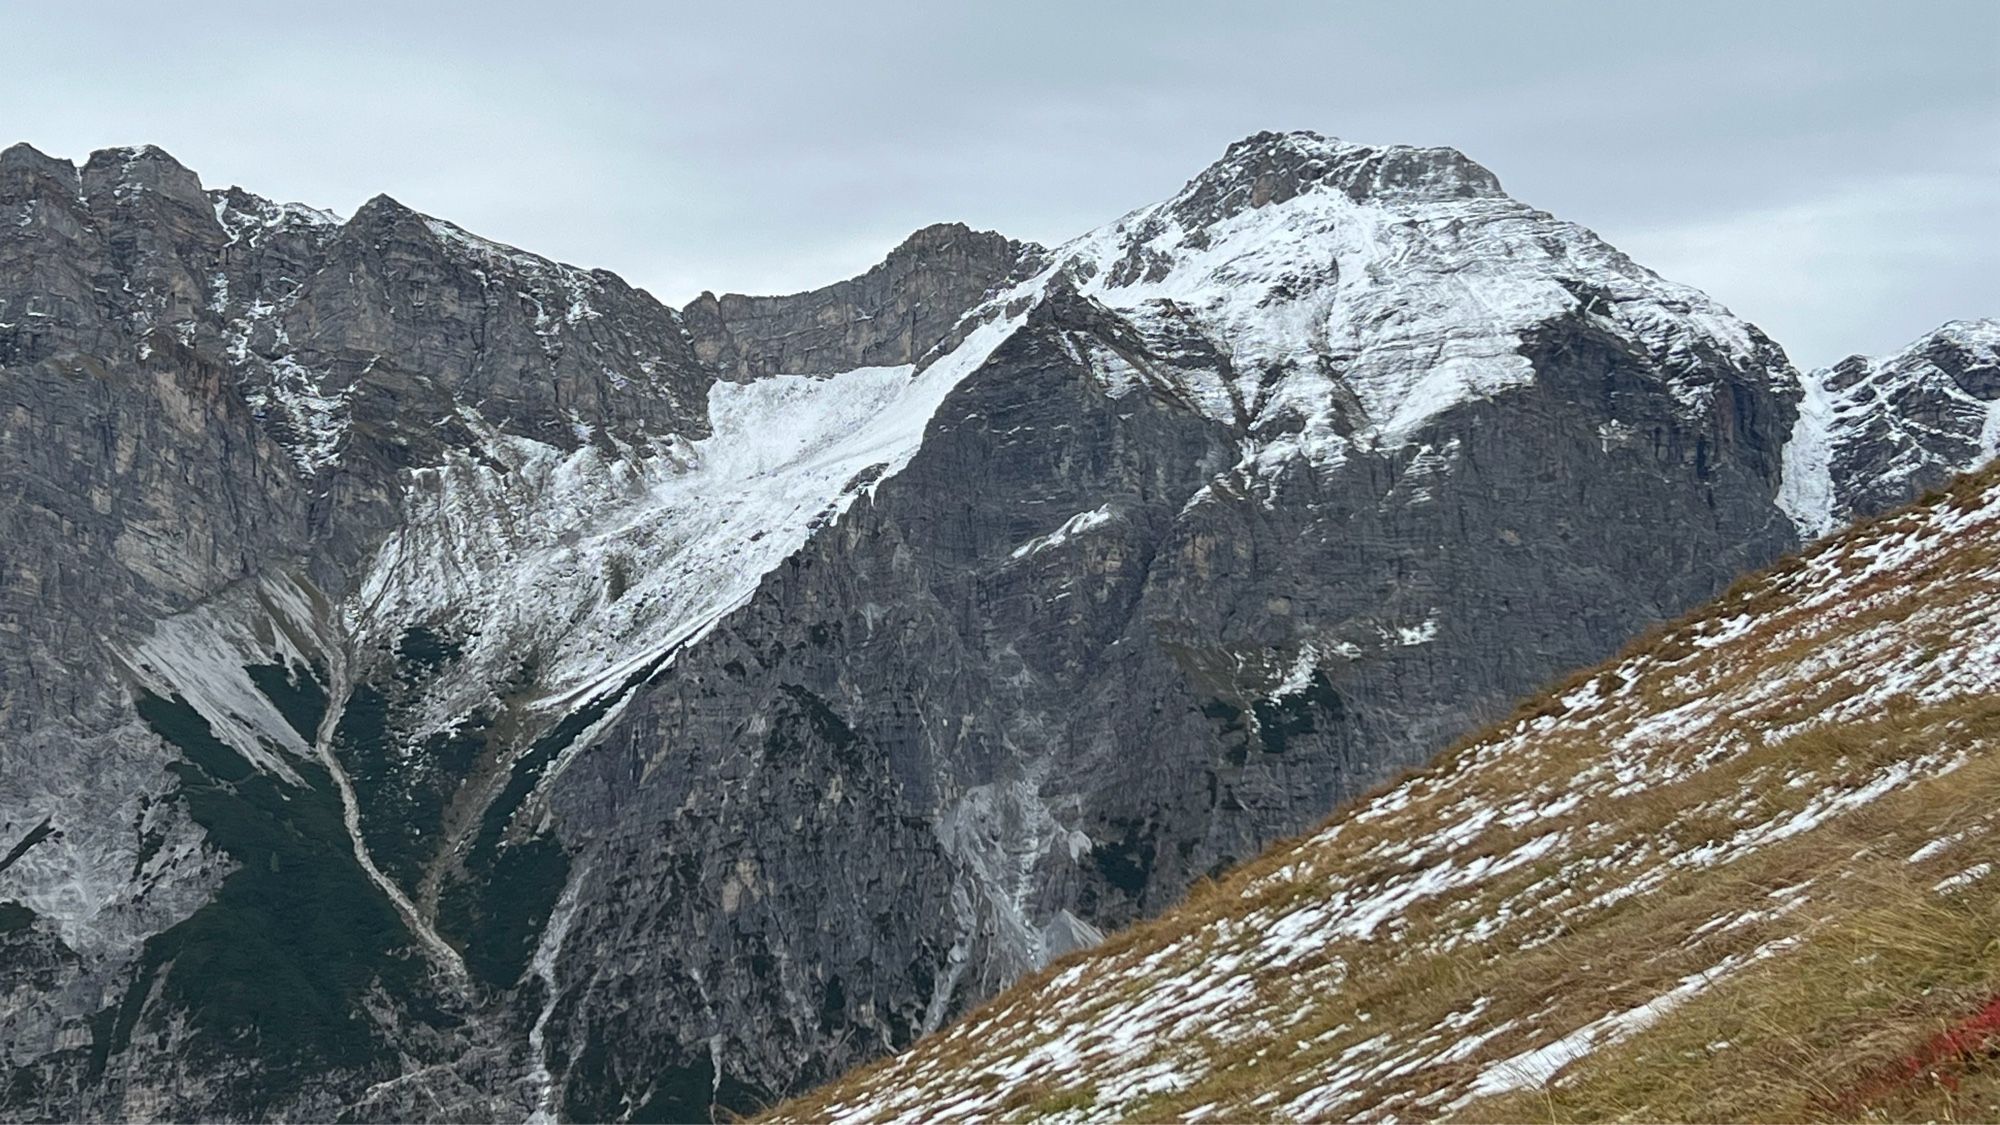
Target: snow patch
1074,526
1533,1069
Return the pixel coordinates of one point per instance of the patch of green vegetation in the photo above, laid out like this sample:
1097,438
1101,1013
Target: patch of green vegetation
832,1005
1128,863
1231,729
695,1093
496,914
278,962
404,786
591,1091
600,1090
14,917
35,836
402,796
804,718
365,743
493,909
1276,721
1279,720
422,651
295,691
103,1032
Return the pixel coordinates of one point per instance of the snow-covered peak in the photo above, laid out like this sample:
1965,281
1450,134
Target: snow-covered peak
1965,351
1943,352
1980,335
459,240
1273,167
1398,280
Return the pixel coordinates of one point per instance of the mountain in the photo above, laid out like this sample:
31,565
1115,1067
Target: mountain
1740,872
444,682
1234,507
1873,434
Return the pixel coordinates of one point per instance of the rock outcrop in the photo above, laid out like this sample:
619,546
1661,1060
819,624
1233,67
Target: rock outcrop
893,314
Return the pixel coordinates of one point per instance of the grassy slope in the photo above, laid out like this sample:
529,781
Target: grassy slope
1732,874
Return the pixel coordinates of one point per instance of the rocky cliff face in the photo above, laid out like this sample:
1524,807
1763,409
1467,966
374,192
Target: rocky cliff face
212,408
892,314
1876,433
456,685
1265,493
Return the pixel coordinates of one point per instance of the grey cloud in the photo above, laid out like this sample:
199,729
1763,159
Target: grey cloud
1757,150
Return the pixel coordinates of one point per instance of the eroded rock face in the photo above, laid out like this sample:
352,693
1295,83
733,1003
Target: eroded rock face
209,405
721,698
894,313
1073,658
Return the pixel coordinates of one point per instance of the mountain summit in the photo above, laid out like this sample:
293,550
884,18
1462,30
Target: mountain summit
1274,167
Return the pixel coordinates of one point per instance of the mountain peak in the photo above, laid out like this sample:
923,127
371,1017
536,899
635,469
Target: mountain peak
384,208
1270,167
21,152
1875,432
128,173
940,237
892,314
1324,261
1982,333
26,171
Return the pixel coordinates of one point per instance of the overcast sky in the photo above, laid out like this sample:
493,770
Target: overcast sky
1829,170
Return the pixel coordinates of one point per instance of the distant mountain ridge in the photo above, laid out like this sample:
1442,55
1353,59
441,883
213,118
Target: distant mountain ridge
414,650
1873,434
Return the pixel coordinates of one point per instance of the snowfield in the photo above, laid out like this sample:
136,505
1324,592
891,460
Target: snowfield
603,565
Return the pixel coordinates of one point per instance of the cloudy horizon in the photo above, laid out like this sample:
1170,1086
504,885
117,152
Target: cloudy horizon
1831,171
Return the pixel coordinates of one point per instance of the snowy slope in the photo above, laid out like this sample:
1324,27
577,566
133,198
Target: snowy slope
599,565
1346,294
1360,291
1679,827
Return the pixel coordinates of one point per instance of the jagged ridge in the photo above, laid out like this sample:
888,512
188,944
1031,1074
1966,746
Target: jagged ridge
1873,434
